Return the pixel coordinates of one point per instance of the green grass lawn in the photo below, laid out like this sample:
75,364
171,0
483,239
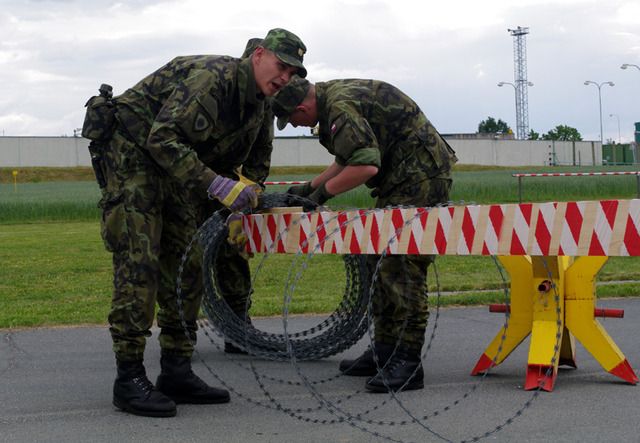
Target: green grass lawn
55,270
60,274
77,200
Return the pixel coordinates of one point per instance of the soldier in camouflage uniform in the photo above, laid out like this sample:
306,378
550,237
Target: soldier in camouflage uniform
381,138
180,136
234,278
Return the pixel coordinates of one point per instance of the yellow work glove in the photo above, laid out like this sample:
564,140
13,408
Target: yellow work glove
235,195
237,237
256,187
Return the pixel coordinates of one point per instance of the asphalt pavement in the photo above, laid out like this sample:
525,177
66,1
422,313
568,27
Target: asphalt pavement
56,386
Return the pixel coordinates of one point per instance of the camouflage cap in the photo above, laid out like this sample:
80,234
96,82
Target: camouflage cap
287,47
252,44
288,98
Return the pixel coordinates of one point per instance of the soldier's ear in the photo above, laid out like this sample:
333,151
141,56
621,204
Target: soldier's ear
302,107
257,55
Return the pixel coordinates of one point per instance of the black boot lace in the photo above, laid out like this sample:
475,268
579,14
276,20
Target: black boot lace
143,384
395,363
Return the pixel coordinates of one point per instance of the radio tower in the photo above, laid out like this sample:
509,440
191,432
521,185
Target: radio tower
521,83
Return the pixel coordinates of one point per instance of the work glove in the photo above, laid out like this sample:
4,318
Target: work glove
256,187
237,237
320,195
301,190
235,195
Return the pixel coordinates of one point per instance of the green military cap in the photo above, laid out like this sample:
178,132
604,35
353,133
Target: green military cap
287,47
288,98
252,44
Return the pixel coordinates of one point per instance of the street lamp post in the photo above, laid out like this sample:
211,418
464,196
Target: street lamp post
599,86
617,118
629,65
515,91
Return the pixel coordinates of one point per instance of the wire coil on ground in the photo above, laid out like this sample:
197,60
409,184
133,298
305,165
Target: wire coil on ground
338,332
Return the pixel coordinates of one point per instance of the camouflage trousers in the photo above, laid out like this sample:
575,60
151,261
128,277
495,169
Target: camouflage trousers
400,308
147,223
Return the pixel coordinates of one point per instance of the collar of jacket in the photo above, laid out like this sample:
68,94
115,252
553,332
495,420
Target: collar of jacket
323,112
247,88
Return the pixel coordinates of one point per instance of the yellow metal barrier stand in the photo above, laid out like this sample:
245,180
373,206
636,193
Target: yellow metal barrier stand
553,299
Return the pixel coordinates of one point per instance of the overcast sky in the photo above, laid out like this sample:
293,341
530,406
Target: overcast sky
447,55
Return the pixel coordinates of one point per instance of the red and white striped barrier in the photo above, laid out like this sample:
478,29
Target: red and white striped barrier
575,174
286,183
584,228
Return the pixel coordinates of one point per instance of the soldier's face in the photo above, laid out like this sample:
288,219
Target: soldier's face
271,73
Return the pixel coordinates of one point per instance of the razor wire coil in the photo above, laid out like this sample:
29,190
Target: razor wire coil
292,347
338,332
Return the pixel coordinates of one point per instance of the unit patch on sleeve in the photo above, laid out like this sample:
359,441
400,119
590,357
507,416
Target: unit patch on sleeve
200,123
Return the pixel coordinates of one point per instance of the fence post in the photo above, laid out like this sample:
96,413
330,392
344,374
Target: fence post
520,187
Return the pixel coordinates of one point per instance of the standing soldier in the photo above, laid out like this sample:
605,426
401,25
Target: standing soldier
381,138
179,137
237,294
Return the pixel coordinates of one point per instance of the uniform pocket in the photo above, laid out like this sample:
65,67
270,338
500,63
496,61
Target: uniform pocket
439,189
113,226
100,119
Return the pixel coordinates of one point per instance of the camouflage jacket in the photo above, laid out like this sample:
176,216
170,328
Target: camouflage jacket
198,116
370,122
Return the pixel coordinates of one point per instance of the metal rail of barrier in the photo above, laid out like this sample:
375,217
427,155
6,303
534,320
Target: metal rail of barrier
574,174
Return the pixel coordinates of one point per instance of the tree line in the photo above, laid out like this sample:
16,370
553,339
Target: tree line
560,132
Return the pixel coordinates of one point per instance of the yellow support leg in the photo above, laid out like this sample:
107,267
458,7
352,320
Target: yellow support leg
519,326
553,299
547,331
580,320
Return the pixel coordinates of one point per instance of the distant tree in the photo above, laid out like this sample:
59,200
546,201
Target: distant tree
533,135
491,126
563,133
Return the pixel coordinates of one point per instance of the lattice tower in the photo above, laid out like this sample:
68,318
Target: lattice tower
520,81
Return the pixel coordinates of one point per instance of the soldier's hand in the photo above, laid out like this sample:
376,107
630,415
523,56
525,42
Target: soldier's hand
258,189
320,195
301,190
237,237
235,195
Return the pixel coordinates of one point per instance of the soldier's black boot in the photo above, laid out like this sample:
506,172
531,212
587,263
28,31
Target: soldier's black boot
230,347
178,382
134,393
365,366
402,372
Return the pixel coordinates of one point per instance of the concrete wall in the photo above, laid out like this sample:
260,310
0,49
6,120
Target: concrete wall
307,151
299,151
44,151
527,152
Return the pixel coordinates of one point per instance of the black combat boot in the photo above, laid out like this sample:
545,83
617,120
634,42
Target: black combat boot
177,381
230,348
403,371
365,366
134,393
